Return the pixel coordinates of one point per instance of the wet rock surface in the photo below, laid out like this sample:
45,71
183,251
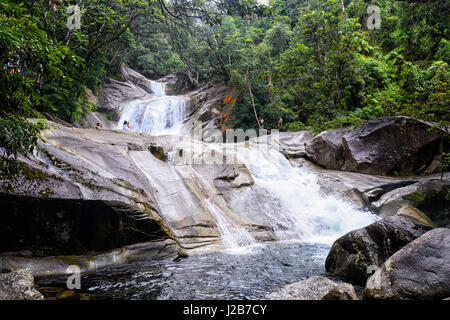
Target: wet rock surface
293,144
114,94
59,265
353,255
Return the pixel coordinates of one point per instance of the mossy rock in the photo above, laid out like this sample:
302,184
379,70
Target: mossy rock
414,213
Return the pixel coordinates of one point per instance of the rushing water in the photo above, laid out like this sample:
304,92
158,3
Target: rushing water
309,214
158,115
232,236
308,218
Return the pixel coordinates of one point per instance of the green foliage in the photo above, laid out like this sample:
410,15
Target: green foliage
48,68
17,137
306,61
445,163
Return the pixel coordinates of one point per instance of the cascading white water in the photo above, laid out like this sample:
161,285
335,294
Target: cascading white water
232,236
158,88
159,115
311,215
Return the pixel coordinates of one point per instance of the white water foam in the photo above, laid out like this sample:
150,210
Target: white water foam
236,238
158,88
159,115
310,214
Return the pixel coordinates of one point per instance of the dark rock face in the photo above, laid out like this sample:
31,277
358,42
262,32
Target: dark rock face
207,105
326,149
352,255
63,226
420,270
18,285
391,145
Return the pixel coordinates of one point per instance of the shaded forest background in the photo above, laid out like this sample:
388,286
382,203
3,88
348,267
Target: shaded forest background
314,63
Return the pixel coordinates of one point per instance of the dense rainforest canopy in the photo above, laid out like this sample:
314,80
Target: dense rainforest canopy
318,64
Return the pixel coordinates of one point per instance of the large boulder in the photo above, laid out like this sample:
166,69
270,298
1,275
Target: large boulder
432,197
420,270
207,106
356,254
364,190
137,79
326,149
314,288
391,146
114,94
18,285
292,144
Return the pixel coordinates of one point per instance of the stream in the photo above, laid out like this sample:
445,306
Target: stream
219,275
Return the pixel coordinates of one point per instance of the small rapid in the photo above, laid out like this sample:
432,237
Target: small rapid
234,237
307,212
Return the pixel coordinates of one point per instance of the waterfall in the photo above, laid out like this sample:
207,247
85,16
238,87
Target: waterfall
293,204
158,115
158,88
233,236
307,212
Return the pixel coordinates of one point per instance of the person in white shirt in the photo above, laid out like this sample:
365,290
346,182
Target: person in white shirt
126,126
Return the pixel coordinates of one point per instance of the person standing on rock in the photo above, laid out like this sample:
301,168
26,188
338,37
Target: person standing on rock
280,123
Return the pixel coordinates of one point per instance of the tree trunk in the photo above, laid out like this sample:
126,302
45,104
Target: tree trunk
253,102
343,9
